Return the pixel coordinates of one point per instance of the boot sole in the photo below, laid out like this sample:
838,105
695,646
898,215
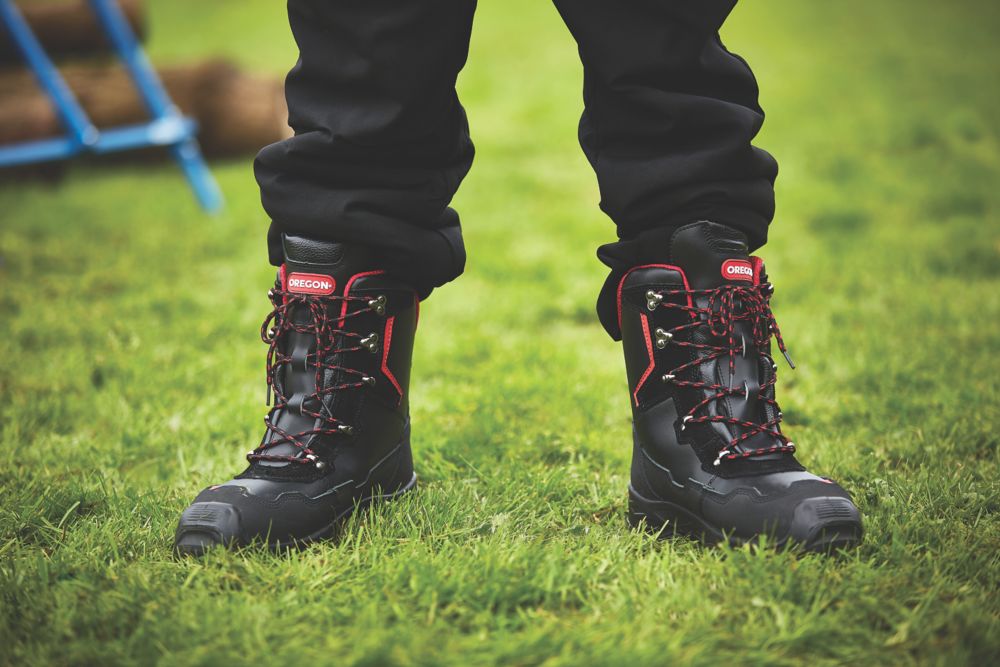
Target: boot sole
668,519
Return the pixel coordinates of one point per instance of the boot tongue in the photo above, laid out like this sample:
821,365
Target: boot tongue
712,255
321,267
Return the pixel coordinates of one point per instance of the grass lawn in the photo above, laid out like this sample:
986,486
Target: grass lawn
133,376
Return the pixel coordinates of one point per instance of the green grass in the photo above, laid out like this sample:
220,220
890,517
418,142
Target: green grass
132,376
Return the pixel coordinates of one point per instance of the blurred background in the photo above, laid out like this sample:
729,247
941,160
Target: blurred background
132,372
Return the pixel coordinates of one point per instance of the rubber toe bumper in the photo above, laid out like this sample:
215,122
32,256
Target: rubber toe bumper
826,524
205,525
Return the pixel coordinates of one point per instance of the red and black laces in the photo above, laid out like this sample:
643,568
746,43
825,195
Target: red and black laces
325,323
725,307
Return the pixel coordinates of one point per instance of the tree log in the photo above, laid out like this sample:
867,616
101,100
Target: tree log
69,28
236,113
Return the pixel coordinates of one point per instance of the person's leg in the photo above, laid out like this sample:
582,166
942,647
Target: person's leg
668,120
381,142
670,115
361,230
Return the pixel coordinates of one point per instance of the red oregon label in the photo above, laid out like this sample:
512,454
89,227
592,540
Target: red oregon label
737,269
311,283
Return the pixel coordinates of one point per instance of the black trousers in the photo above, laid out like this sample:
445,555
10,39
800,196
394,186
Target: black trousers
381,141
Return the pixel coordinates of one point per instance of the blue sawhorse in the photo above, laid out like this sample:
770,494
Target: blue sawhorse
167,127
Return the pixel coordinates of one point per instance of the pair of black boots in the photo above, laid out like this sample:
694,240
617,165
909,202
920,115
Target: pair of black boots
710,459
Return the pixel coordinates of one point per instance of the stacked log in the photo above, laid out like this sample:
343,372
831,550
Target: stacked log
67,29
237,113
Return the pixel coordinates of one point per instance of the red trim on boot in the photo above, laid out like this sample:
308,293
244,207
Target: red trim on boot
758,268
283,279
385,356
649,351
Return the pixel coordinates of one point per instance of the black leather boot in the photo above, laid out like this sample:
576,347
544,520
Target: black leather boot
337,438
710,459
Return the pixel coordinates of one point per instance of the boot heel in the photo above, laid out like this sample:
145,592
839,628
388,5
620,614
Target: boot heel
645,513
639,515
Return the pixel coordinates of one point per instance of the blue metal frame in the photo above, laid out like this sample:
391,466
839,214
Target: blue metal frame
167,127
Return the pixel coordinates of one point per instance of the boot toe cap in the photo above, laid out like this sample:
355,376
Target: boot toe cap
204,525
810,513
825,524
815,515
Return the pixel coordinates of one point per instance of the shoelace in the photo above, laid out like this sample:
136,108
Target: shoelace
328,331
726,306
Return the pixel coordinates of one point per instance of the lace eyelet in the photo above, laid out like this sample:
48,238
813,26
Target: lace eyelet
653,299
319,464
662,338
378,304
370,342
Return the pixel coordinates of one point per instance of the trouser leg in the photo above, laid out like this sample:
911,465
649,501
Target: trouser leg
668,123
381,141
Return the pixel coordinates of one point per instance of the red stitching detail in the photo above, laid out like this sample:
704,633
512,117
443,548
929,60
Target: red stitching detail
385,356
758,267
283,279
652,362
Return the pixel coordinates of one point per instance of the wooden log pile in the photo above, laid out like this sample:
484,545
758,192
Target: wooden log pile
68,29
238,113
